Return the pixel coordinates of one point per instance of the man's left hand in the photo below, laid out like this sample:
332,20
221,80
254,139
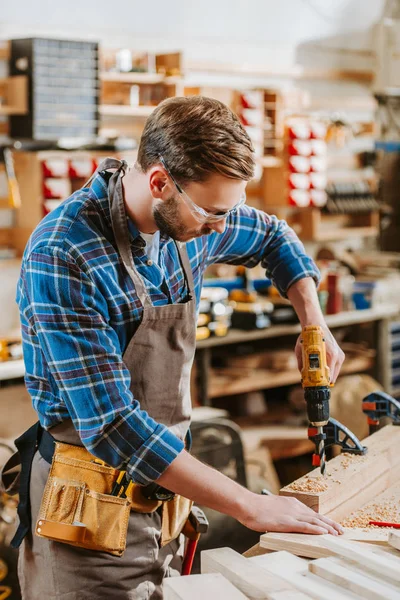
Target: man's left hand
334,354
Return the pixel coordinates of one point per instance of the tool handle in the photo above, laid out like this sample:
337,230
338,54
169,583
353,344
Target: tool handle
189,557
384,524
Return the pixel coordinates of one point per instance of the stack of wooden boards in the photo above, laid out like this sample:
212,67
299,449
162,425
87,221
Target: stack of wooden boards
364,563
348,570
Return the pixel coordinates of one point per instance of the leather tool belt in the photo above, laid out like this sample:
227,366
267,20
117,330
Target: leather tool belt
78,507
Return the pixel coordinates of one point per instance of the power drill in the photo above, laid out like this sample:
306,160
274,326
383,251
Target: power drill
315,381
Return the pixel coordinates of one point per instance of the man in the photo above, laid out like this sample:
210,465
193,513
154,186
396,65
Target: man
108,295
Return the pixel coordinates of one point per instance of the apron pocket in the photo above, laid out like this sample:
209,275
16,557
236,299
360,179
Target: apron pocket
73,514
174,516
64,500
106,518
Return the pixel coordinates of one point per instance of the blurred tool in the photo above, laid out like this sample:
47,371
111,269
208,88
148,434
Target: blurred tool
249,310
351,197
379,405
214,313
246,292
316,385
13,189
196,524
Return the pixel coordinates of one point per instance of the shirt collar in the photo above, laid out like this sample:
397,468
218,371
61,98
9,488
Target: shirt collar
99,192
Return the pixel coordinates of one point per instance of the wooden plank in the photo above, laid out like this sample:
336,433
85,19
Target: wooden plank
353,480
311,546
250,579
299,544
295,570
382,564
199,587
394,539
384,507
341,573
273,560
256,550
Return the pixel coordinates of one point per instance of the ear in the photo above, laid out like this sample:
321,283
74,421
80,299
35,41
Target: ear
159,183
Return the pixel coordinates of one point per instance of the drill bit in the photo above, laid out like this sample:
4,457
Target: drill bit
321,452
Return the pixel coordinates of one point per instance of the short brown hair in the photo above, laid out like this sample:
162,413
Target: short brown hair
196,136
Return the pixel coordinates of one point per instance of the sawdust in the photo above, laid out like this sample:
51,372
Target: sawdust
309,484
348,459
387,511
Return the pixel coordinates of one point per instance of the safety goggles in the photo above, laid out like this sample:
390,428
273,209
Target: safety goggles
203,216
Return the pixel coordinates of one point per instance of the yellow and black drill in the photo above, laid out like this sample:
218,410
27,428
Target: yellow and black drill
315,380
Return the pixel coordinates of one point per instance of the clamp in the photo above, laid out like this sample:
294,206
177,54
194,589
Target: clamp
378,405
335,434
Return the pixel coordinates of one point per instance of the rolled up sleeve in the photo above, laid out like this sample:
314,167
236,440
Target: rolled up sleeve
252,237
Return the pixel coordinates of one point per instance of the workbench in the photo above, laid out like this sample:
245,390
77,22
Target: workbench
379,316
363,563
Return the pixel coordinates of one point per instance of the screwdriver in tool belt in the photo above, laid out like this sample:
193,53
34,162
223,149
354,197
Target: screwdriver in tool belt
119,484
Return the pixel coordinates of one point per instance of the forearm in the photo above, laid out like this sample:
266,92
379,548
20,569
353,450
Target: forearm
304,298
192,479
189,477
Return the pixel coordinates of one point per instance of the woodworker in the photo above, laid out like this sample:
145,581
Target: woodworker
109,288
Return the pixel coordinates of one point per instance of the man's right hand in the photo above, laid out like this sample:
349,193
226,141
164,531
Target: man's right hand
278,513
192,479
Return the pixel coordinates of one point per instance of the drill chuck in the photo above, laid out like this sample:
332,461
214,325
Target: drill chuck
317,399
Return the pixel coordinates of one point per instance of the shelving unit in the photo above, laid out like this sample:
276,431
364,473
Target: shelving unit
312,225
116,110
249,381
209,387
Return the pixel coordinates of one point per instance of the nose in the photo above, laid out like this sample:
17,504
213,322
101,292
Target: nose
218,226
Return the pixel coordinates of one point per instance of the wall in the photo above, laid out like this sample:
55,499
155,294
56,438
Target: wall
267,33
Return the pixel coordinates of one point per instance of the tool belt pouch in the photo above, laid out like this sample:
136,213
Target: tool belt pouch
174,516
77,507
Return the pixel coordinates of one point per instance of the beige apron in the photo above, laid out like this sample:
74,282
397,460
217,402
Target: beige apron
159,358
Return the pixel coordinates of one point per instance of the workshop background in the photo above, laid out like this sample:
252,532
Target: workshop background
317,86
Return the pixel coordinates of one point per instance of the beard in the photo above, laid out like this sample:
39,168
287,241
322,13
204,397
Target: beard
168,220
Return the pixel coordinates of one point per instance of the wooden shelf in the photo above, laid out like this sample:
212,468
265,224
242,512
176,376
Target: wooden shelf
119,110
134,77
15,90
343,319
264,379
311,225
345,234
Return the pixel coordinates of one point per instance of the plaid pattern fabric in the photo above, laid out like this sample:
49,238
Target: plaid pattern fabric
79,311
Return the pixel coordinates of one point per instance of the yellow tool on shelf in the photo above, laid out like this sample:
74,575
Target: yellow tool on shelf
13,188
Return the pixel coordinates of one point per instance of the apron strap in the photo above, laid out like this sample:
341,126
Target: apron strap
27,445
187,269
120,225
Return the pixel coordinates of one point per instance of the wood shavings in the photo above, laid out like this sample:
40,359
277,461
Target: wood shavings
387,511
309,484
348,459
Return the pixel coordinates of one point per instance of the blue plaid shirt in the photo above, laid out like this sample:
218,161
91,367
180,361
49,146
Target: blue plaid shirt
79,310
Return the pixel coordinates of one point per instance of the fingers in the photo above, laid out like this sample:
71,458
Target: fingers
304,527
328,521
299,355
321,523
